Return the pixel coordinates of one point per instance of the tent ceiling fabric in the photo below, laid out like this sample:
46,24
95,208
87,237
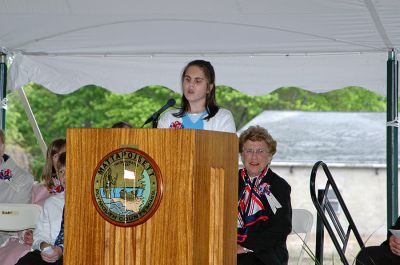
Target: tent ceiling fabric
256,46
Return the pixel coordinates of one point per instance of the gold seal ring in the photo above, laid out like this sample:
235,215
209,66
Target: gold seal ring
127,187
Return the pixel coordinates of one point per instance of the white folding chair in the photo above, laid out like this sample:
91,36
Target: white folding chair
17,217
302,221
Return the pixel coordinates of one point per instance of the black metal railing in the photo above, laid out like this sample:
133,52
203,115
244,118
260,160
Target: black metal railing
327,217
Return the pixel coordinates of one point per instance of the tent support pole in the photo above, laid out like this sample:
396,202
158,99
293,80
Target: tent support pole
392,139
3,89
32,120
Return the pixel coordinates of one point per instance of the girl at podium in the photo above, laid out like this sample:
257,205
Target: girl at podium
264,208
199,109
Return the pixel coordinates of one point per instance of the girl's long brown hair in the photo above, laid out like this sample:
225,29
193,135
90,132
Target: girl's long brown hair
49,171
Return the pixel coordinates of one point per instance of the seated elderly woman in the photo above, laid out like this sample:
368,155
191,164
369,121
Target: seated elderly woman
264,208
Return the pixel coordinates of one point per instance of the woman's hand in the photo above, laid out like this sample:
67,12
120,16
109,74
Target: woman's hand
53,255
28,237
241,250
394,244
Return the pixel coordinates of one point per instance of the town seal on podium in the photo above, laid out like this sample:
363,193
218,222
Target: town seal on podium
127,187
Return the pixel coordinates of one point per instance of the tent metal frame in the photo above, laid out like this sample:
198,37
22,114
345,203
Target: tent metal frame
392,161
25,103
3,90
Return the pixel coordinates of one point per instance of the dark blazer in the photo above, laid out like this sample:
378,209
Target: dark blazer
268,238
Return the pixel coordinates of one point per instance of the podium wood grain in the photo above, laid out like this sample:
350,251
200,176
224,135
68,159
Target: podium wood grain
195,223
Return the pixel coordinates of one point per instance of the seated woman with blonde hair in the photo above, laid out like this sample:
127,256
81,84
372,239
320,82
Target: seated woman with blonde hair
264,208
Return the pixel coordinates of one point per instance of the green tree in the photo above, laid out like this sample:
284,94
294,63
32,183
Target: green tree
243,107
93,106
355,99
345,99
136,107
78,109
294,98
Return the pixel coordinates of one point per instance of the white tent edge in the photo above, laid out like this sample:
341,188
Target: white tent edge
64,74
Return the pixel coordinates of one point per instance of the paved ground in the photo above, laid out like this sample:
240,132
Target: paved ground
331,257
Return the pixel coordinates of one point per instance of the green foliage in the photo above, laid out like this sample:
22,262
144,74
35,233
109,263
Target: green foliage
93,106
294,98
345,99
355,99
243,107
136,107
79,109
14,135
308,251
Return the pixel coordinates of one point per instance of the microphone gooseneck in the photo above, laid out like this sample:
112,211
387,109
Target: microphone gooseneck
171,102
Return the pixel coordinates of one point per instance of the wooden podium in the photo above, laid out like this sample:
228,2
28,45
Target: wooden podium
195,223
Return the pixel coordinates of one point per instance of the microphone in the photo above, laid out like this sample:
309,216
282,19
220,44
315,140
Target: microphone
156,114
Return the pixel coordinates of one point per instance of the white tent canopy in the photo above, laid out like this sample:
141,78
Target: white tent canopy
256,46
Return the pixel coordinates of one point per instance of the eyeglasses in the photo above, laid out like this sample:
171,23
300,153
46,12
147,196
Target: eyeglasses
259,152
